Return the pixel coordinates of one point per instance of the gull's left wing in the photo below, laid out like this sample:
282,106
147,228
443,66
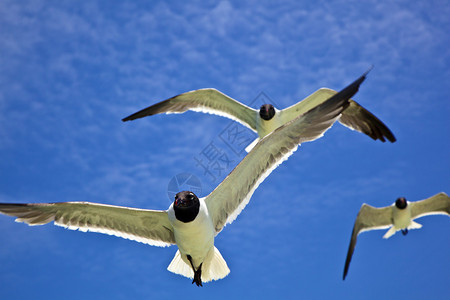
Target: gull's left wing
146,226
232,195
369,218
360,119
438,204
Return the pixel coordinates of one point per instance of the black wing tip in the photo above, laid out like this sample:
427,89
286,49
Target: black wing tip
344,275
355,84
6,205
348,259
137,115
140,114
14,204
391,139
385,136
344,95
151,110
10,208
382,137
129,118
360,80
368,70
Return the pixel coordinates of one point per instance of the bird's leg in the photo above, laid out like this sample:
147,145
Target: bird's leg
197,273
198,276
190,260
405,231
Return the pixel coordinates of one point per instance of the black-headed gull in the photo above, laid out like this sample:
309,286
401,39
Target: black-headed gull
399,216
192,223
268,118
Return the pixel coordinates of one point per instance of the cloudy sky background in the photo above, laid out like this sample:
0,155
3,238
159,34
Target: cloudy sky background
69,71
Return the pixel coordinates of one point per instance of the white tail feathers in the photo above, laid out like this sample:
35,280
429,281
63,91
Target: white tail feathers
214,266
414,225
393,229
180,267
390,232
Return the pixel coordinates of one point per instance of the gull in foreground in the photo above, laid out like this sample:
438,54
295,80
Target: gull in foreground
268,118
192,223
398,216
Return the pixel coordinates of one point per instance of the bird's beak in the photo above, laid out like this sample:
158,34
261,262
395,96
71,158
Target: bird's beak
180,202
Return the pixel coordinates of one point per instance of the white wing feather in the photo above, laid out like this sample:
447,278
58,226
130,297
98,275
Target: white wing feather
146,226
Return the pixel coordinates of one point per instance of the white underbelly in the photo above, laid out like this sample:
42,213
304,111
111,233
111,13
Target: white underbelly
265,127
195,238
402,217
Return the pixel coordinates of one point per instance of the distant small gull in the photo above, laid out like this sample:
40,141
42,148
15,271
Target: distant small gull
398,216
192,223
268,118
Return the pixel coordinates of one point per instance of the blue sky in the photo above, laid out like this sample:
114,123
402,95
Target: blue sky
69,71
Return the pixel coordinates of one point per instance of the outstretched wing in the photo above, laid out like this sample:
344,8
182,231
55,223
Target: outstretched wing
438,204
358,118
232,195
146,226
354,116
369,218
204,100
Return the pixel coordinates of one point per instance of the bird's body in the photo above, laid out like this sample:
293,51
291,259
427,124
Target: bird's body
401,220
399,216
195,238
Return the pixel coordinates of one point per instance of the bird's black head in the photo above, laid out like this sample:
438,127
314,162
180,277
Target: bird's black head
186,206
401,203
267,111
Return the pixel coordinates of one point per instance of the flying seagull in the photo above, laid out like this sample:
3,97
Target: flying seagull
191,222
268,118
399,216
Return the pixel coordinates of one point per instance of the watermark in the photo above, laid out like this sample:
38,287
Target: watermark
184,182
228,147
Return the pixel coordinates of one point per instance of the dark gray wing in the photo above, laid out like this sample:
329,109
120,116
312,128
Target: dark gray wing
358,118
232,195
204,100
369,218
438,204
354,116
146,226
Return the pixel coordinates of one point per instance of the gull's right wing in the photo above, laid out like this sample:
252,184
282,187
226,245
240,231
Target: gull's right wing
369,218
204,100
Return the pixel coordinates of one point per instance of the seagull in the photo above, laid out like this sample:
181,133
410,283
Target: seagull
399,216
268,118
191,222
